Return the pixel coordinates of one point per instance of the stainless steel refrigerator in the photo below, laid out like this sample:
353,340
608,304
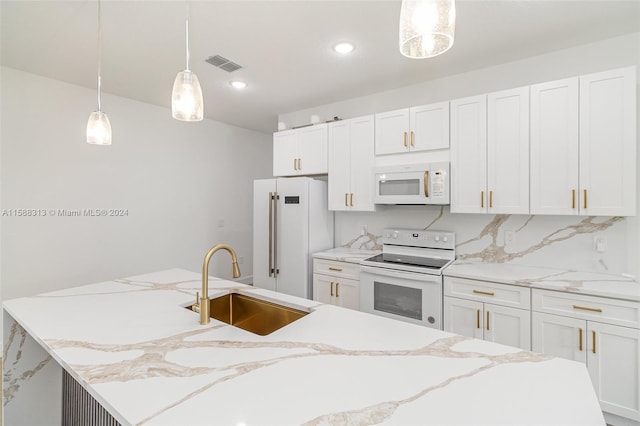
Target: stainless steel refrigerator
291,221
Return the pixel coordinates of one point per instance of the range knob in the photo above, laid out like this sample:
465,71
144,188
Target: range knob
445,239
437,238
395,235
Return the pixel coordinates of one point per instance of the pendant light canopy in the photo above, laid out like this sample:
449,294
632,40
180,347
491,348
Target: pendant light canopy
98,126
186,99
426,27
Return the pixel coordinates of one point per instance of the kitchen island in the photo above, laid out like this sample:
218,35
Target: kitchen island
146,359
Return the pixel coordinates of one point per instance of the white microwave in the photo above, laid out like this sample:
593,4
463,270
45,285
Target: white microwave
426,183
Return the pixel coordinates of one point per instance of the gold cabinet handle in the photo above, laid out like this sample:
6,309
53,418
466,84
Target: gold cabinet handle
346,197
585,198
593,346
412,139
580,339
337,289
584,308
299,163
482,199
405,139
331,288
490,199
331,268
573,198
295,164
426,184
486,293
488,321
477,318
351,200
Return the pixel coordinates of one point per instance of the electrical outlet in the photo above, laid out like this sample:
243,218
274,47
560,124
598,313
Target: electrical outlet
600,242
509,237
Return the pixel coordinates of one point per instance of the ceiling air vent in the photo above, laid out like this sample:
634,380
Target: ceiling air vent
223,63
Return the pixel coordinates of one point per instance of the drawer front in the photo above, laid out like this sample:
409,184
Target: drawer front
499,294
336,268
592,308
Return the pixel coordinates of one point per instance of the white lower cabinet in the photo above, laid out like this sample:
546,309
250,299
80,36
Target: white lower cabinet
336,283
611,352
481,311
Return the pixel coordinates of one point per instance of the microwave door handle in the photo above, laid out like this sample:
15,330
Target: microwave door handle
426,184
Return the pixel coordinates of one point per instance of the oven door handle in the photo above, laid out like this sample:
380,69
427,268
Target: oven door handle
392,273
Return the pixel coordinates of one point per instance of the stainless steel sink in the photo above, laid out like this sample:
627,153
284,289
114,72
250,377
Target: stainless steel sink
254,315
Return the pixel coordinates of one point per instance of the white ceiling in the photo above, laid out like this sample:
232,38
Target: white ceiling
284,46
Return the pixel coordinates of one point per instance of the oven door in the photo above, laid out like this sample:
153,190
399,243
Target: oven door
405,296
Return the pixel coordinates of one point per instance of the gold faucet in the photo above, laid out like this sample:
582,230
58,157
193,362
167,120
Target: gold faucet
204,300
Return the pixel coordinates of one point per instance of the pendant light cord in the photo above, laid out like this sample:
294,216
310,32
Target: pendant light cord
99,56
187,33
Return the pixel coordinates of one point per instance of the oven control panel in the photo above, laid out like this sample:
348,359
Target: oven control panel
419,238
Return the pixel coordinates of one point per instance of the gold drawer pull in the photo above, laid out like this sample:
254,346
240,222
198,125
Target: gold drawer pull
585,198
594,341
584,308
331,288
482,199
412,136
490,199
478,318
331,268
487,293
405,139
351,200
573,198
346,199
299,163
488,321
337,289
580,339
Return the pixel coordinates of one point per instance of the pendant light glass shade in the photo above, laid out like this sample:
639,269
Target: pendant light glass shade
99,129
427,27
98,126
186,98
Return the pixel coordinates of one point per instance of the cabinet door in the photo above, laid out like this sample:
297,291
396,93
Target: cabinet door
463,317
429,126
554,147
347,293
613,362
508,151
323,288
339,165
362,159
563,337
469,155
313,150
285,153
392,132
507,326
608,143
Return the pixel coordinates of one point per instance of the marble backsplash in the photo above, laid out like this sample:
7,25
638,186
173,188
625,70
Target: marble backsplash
567,242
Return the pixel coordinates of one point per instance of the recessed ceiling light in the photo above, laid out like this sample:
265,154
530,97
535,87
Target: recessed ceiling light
343,48
238,84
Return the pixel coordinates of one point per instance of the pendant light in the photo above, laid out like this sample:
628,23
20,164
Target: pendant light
98,126
186,99
426,27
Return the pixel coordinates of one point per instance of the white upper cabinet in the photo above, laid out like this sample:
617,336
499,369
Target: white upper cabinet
300,151
608,143
508,151
490,153
554,147
351,157
469,154
422,128
583,145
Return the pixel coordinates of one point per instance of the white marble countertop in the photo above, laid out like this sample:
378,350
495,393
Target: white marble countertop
142,355
346,254
587,283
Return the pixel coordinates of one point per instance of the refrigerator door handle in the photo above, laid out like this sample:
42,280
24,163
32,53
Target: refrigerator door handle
270,233
276,197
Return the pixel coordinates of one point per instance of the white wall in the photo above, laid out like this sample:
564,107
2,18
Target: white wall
186,186
539,239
